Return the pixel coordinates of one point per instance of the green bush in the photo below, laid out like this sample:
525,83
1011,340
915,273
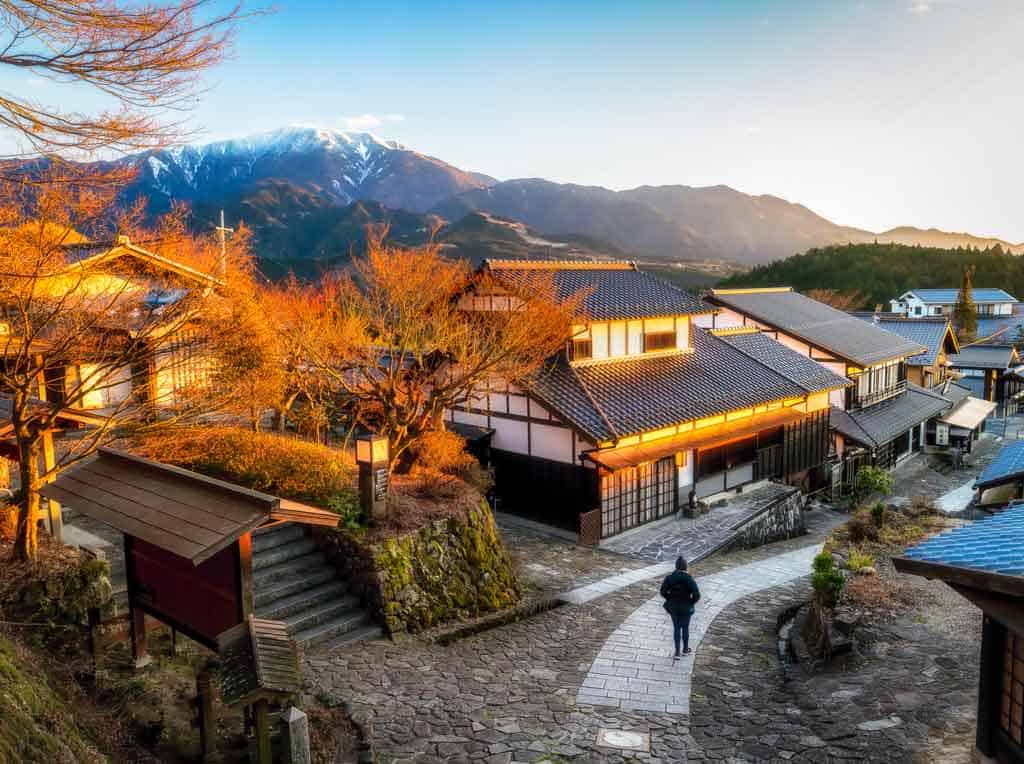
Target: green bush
827,580
871,480
878,514
346,506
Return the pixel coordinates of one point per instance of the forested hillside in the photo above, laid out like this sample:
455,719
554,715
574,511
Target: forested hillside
880,272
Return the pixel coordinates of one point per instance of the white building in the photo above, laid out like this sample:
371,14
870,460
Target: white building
940,302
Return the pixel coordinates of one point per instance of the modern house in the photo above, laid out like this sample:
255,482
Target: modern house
881,418
984,562
643,413
930,368
939,302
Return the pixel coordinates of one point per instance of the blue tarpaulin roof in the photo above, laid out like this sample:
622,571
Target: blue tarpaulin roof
992,545
1008,465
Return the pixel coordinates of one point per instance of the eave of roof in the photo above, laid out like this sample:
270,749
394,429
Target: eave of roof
884,421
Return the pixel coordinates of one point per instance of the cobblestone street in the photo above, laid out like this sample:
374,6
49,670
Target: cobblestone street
527,691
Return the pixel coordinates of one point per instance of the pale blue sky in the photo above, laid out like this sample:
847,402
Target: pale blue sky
873,113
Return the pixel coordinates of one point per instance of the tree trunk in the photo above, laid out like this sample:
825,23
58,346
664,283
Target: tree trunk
26,541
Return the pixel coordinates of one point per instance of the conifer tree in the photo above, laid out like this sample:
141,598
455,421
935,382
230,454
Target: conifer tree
965,314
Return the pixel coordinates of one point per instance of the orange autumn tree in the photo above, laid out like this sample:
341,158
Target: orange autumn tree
391,338
133,341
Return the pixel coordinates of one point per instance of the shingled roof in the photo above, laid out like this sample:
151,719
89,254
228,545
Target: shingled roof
259,659
984,357
929,332
616,398
817,324
614,290
878,424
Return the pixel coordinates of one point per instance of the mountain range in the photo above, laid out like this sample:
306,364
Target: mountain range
309,194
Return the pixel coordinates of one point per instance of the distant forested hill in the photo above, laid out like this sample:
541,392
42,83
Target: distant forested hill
881,272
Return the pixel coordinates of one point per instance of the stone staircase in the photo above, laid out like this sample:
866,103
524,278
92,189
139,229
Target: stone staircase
294,583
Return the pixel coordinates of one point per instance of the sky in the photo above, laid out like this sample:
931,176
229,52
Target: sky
873,113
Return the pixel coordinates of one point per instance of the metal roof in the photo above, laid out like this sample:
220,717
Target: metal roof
613,290
991,545
186,513
983,357
258,656
969,413
818,324
620,397
1008,465
949,296
878,424
929,332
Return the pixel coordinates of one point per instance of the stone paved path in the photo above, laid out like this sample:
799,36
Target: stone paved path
693,538
635,670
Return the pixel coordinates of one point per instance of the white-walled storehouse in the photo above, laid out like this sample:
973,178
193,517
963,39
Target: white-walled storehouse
643,412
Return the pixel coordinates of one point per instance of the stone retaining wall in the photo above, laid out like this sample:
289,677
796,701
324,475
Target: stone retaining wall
782,519
452,568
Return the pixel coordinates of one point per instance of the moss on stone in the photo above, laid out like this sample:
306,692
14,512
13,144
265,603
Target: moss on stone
452,568
36,723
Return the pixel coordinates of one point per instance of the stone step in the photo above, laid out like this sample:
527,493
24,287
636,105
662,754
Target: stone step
323,613
283,553
304,601
360,634
276,536
333,629
291,569
268,591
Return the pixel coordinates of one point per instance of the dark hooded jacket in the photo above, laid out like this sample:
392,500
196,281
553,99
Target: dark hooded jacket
680,592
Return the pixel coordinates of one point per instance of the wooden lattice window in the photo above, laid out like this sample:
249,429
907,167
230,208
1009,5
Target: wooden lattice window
659,341
1011,717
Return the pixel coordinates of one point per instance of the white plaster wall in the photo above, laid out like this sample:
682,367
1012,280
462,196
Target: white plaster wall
480,420
682,332
636,337
617,342
685,472
509,435
549,442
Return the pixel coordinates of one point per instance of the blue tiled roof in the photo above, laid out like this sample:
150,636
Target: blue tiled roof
1009,463
948,296
992,545
924,331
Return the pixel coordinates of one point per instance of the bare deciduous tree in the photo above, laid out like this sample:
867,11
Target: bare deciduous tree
393,340
143,58
131,344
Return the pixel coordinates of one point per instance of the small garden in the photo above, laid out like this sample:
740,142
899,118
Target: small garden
855,584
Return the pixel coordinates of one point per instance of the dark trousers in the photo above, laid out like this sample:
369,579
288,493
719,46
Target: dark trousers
681,629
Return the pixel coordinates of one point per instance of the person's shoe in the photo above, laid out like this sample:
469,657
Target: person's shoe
687,651
676,656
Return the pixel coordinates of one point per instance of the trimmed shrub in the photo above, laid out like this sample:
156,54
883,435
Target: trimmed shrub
827,580
878,514
871,480
858,560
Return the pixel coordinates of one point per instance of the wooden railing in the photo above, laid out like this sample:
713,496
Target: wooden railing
857,400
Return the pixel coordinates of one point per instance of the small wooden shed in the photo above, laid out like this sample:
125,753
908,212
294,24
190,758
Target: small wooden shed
187,539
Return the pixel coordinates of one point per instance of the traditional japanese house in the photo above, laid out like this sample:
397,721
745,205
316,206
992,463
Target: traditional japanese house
881,418
984,562
936,335
644,413
992,373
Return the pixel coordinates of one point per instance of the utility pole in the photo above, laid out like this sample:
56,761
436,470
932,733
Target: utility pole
222,230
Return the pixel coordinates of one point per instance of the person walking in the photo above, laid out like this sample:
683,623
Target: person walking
681,594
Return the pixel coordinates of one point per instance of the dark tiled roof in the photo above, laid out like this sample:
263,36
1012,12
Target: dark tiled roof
819,325
471,433
615,290
924,331
992,545
1008,464
953,391
795,367
616,398
878,424
948,296
983,357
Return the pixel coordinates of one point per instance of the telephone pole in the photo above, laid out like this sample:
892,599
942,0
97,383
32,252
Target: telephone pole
222,230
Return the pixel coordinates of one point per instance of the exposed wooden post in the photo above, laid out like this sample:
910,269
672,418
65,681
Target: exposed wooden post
207,719
264,755
55,520
140,651
247,594
993,635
